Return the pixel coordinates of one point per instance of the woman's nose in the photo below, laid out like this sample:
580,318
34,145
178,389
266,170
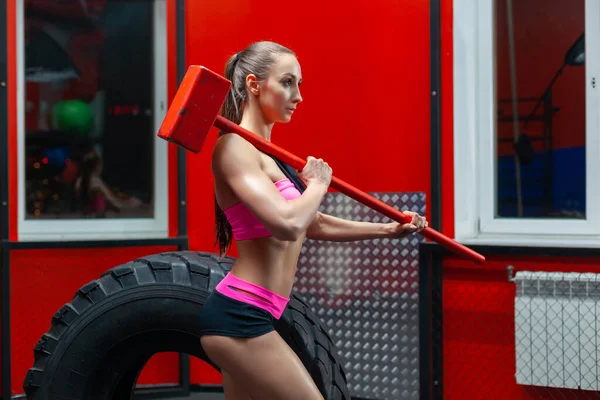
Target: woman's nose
298,97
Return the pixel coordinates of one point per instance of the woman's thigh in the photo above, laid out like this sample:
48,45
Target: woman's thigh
265,366
232,389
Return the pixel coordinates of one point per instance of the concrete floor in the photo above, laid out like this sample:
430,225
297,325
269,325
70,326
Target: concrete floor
200,396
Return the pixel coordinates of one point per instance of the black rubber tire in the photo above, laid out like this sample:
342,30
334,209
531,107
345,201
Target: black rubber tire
98,343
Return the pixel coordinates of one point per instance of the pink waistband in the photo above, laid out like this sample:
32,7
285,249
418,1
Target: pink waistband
269,301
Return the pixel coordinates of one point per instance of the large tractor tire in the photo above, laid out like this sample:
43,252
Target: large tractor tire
99,342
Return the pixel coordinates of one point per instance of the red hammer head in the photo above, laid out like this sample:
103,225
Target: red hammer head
194,109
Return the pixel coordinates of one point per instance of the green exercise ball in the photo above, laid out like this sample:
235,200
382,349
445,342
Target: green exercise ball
73,116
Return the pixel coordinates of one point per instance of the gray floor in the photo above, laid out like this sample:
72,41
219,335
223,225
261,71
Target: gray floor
200,396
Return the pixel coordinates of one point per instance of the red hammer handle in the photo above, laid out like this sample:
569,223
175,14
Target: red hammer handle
349,190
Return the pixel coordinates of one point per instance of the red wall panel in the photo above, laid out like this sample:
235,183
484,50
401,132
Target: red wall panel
447,120
478,327
41,281
11,39
365,90
172,89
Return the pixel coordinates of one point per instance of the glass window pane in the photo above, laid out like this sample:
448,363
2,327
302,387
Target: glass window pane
89,109
541,109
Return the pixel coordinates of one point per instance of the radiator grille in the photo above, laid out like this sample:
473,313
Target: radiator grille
556,329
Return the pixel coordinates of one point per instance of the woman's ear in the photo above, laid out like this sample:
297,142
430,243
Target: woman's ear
252,84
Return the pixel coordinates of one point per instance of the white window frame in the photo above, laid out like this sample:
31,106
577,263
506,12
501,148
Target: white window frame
109,228
474,101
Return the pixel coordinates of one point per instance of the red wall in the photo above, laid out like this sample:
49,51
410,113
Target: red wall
12,116
172,89
365,90
447,119
43,280
478,328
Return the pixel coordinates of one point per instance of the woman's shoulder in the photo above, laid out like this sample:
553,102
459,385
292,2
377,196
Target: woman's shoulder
232,151
96,182
232,144
232,139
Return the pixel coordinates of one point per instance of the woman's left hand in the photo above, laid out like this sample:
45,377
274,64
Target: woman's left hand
417,224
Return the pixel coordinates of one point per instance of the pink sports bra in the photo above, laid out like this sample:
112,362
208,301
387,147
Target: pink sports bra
245,225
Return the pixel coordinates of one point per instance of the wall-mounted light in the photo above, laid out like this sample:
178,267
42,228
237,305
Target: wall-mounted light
576,54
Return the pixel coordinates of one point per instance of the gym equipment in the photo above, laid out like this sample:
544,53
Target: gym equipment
195,110
74,116
98,343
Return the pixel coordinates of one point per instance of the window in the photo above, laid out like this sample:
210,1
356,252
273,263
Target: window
525,70
94,79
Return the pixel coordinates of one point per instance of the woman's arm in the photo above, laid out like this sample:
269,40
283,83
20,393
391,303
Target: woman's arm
98,184
329,228
236,162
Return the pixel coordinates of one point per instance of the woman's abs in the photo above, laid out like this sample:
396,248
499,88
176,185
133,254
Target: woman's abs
270,265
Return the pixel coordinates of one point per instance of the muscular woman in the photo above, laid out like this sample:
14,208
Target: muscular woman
269,218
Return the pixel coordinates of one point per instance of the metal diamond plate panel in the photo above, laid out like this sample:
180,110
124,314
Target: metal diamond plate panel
366,293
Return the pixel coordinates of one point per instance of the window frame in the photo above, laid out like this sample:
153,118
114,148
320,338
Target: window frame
474,133
109,228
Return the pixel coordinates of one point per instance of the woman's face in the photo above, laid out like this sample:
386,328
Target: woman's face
280,93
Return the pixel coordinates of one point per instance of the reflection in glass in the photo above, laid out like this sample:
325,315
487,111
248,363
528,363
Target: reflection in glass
89,109
540,86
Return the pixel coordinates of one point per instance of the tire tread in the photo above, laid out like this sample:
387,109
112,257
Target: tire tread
299,326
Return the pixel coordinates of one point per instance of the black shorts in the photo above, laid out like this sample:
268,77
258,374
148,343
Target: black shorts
224,316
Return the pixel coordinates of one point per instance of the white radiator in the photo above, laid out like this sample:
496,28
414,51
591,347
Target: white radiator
557,329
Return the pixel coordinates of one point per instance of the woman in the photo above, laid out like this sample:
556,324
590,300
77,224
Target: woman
95,198
269,218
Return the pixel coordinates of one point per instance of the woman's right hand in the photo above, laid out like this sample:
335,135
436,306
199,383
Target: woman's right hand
316,171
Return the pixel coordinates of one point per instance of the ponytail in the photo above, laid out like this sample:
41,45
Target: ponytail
232,107
231,110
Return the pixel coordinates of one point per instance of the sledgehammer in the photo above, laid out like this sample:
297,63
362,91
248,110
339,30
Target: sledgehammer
195,110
